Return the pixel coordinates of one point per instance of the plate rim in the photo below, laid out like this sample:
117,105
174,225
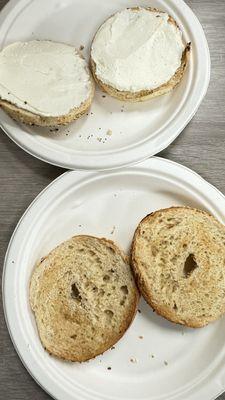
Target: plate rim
80,160
20,351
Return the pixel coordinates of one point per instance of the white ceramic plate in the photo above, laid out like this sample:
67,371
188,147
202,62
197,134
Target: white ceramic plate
138,130
172,362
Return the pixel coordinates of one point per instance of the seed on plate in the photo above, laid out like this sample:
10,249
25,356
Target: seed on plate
113,230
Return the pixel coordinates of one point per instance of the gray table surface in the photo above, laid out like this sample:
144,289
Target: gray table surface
201,147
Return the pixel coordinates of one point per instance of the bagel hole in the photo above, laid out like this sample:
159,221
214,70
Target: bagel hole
75,294
73,337
124,289
175,306
109,314
190,265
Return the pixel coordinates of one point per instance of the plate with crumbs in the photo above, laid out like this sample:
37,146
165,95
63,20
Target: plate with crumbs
112,133
155,359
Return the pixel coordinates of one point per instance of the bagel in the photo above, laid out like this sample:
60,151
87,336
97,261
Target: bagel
178,257
84,298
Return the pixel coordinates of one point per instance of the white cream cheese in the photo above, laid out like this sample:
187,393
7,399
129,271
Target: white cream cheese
46,78
137,50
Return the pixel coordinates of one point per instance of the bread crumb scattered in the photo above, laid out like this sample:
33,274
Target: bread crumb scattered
165,362
152,356
133,360
103,96
113,347
99,139
81,47
109,368
54,130
139,311
141,337
109,132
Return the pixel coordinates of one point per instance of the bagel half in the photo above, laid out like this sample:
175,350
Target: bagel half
145,94
44,83
178,257
84,298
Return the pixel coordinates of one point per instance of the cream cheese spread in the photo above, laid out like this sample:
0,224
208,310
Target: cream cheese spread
44,77
137,50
